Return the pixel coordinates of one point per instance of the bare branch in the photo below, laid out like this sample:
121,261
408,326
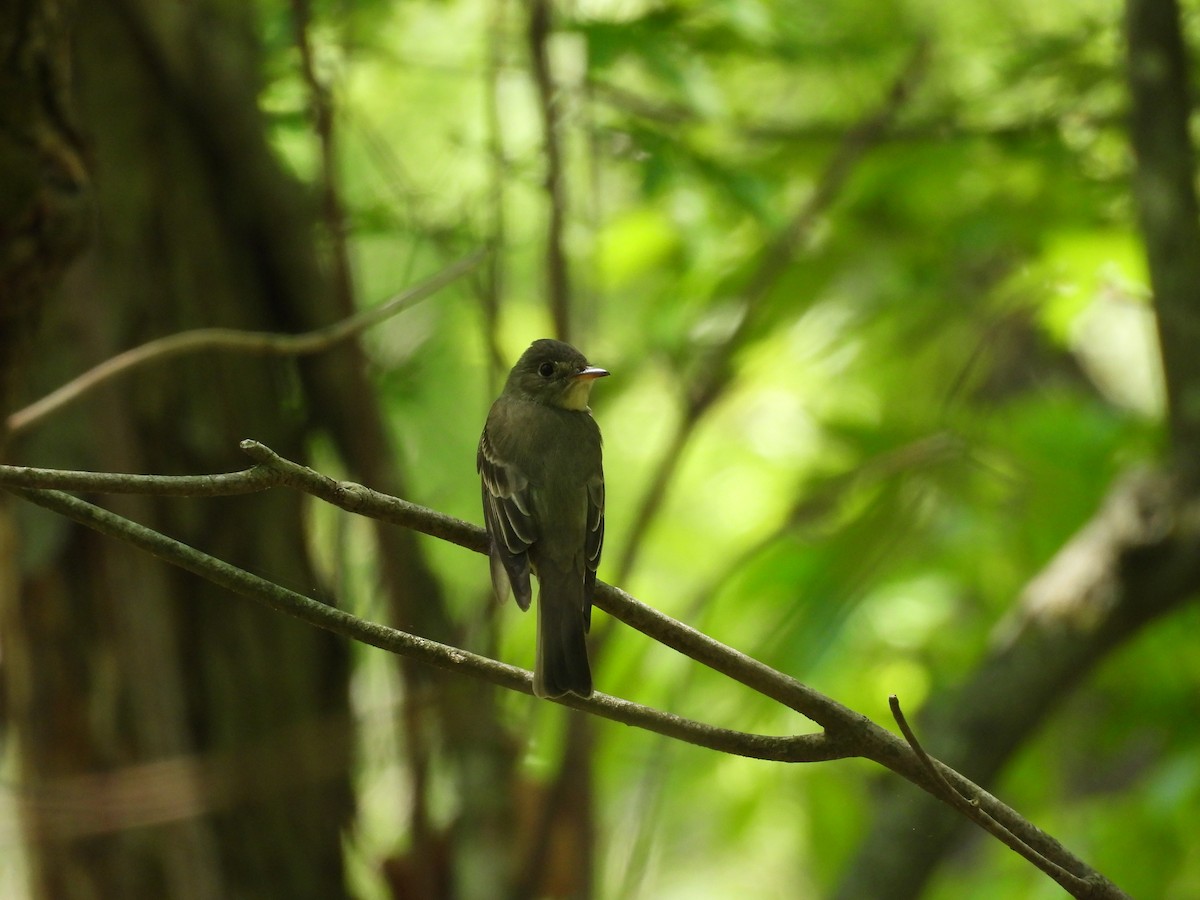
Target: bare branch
320,105
970,807
558,282
926,761
492,289
230,339
224,484
928,128
798,748
614,601
847,733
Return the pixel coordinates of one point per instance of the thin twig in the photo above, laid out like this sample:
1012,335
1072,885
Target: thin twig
234,340
362,500
491,293
558,299
557,277
411,716
320,105
938,127
935,773
972,809
224,484
866,134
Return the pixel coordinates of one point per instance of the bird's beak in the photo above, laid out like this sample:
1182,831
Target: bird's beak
590,373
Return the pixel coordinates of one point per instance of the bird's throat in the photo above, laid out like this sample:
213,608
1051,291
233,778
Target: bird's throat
577,395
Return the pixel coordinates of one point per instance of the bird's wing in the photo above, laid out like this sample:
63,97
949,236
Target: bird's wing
508,513
593,542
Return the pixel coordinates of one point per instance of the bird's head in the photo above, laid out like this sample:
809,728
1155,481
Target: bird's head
555,374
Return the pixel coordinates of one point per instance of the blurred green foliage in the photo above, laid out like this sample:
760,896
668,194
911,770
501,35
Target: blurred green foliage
930,398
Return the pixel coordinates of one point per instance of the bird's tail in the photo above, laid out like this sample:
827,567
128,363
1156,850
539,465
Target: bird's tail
562,657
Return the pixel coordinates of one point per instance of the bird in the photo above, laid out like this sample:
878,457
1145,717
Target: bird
542,476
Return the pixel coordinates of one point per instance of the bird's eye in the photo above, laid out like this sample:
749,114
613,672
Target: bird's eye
546,369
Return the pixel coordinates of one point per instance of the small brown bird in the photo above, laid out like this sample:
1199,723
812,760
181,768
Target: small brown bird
543,501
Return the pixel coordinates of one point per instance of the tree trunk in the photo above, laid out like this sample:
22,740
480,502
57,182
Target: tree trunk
174,741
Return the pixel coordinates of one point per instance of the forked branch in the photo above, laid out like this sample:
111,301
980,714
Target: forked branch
846,733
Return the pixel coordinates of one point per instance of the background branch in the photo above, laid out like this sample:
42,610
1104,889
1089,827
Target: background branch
558,286
492,288
321,112
713,374
1164,189
238,341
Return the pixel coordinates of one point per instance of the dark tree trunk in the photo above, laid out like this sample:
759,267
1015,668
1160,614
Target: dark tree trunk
43,179
174,741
